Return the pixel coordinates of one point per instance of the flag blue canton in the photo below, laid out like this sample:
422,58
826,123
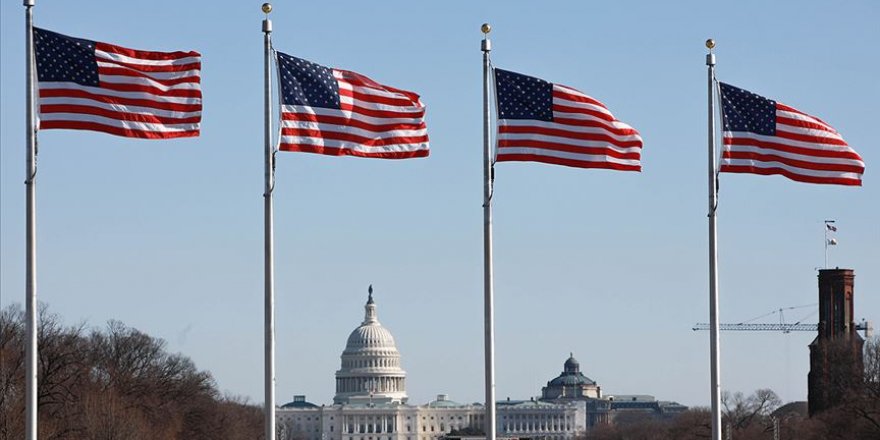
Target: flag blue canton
65,59
306,83
523,97
743,110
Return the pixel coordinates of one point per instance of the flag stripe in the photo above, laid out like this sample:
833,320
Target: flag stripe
315,123
736,139
363,97
58,89
293,112
55,103
580,100
117,121
146,87
189,81
795,121
140,99
553,159
190,74
767,169
126,116
591,148
367,85
762,136
154,68
145,57
117,130
575,130
793,162
387,139
353,150
116,90
806,135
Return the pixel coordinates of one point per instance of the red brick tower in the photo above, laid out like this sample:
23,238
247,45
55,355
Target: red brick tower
836,361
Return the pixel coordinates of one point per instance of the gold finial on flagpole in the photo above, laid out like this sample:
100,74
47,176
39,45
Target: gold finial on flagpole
486,28
267,8
710,44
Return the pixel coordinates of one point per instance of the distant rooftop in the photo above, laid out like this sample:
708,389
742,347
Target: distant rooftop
299,401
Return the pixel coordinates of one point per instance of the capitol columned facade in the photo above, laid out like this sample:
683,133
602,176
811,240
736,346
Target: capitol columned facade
371,401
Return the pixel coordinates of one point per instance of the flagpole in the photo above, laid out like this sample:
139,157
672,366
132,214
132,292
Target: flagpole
268,227
488,287
30,229
827,227
714,332
826,244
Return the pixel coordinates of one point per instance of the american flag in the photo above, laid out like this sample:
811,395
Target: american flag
88,85
544,122
762,136
338,112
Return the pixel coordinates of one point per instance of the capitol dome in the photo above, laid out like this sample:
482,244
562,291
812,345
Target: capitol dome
370,371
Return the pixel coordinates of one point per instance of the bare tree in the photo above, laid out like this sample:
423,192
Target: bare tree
11,373
117,383
869,407
859,388
744,413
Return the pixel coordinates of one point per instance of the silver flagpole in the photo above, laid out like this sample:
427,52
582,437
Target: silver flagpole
31,229
268,227
826,244
714,332
488,171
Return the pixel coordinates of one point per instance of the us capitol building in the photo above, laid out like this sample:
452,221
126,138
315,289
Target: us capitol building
371,401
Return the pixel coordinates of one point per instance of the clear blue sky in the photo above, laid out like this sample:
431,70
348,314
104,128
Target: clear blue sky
167,236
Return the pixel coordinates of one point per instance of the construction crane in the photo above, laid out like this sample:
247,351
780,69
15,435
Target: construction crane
865,326
781,326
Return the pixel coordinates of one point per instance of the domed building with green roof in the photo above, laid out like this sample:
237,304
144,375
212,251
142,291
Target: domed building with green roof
571,384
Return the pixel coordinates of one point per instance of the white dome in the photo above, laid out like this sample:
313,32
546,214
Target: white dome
370,370
369,336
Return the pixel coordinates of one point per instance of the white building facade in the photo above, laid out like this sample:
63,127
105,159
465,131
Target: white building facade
371,402
380,421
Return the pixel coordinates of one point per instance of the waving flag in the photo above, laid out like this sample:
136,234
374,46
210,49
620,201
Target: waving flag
338,112
87,85
544,122
762,136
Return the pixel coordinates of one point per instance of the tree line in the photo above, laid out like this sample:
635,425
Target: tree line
117,383
112,383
